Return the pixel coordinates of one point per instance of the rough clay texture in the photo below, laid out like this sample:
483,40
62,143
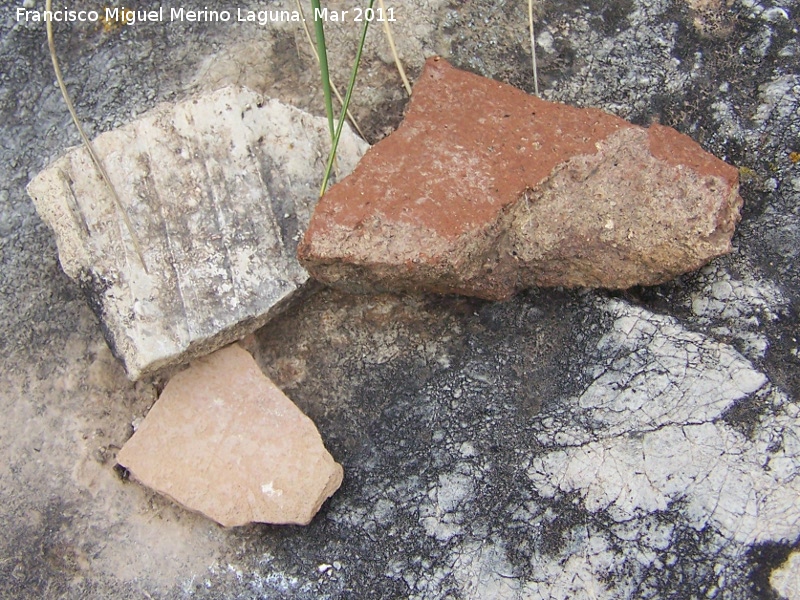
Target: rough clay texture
224,441
219,189
484,191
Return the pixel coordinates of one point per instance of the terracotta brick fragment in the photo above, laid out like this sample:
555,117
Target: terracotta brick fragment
484,190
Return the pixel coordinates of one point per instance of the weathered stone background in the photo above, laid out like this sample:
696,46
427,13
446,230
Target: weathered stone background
562,444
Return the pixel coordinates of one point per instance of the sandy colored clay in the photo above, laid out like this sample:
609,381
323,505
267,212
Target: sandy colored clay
224,441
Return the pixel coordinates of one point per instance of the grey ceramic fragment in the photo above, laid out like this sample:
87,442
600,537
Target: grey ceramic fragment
219,190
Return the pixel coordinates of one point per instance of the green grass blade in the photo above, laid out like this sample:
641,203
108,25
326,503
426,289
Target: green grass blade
319,32
347,98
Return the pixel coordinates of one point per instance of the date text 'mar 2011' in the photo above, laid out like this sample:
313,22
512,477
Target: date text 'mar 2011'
358,15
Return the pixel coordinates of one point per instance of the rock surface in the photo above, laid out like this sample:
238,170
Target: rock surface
786,579
219,189
484,191
224,441
437,407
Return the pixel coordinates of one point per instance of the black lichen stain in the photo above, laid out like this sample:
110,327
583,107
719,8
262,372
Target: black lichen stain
765,558
95,288
732,55
781,361
745,414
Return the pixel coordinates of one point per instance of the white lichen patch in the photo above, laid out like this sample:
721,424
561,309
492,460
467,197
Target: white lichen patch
654,439
482,570
721,296
778,98
736,308
442,515
576,576
652,372
728,121
719,477
786,579
453,489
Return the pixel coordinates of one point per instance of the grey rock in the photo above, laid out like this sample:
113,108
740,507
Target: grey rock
219,190
413,394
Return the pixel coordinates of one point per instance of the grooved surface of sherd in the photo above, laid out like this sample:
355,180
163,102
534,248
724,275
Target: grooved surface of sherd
218,189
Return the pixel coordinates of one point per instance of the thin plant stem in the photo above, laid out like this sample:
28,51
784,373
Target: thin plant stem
316,56
322,55
390,39
86,142
347,98
533,49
